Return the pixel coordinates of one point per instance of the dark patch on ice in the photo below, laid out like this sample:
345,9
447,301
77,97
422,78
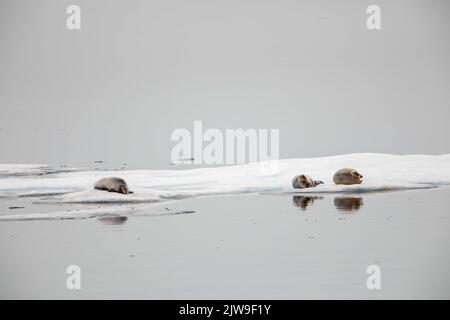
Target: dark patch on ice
184,212
44,194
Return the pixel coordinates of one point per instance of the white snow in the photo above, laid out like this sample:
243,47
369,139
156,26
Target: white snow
382,172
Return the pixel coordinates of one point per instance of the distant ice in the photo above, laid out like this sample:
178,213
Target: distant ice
382,172
28,170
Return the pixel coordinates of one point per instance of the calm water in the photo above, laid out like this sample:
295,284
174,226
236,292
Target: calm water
252,246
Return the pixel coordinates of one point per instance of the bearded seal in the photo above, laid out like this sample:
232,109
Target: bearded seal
303,181
347,176
112,184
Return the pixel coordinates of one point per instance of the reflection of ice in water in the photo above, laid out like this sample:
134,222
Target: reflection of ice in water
348,204
344,204
303,202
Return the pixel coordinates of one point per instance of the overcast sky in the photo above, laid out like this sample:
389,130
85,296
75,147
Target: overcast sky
137,70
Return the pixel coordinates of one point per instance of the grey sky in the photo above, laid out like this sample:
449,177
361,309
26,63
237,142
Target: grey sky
137,70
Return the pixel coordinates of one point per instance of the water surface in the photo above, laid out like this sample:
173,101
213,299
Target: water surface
233,247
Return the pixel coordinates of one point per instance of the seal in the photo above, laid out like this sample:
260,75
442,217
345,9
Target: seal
303,181
112,184
347,176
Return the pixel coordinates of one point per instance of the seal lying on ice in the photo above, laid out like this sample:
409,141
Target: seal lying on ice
303,181
347,176
112,184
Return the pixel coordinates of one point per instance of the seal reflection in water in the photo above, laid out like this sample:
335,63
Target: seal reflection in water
112,184
304,202
113,220
348,204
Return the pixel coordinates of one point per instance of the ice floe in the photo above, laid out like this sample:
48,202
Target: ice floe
382,172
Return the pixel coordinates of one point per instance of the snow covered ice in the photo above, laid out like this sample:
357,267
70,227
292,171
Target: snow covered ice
382,172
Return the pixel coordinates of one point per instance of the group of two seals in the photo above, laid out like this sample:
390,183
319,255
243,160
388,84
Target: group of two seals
345,176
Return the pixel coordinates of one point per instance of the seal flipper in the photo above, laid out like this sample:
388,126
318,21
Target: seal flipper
317,182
